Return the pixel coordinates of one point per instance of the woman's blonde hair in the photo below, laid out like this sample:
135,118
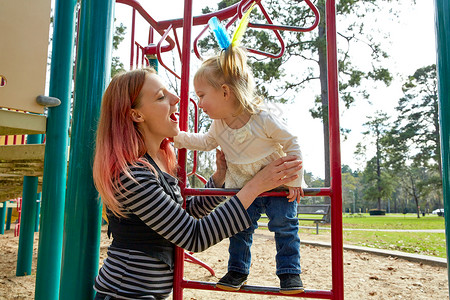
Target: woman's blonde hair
230,67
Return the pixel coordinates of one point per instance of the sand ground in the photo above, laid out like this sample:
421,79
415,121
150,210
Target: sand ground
366,276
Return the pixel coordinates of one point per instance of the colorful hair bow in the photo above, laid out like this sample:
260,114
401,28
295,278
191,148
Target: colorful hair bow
221,34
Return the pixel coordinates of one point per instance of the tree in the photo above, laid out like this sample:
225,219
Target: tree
351,189
413,144
312,182
116,64
418,120
376,178
351,76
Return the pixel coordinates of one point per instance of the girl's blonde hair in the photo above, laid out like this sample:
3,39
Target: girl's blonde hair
120,144
230,67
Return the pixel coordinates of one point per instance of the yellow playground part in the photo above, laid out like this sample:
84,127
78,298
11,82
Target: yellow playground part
23,67
23,53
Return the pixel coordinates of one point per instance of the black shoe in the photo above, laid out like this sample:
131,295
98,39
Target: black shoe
232,281
290,284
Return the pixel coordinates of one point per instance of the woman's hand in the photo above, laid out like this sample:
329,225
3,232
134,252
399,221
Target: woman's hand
278,172
221,169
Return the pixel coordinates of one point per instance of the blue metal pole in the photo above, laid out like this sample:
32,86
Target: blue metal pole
442,23
55,164
82,223
26,237
2,218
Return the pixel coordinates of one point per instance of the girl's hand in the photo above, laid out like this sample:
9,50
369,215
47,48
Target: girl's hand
295,193
278,172
221,169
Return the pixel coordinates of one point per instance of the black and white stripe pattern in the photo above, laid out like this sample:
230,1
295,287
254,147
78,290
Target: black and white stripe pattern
129,274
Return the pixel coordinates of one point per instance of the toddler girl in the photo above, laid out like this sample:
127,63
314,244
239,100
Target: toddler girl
250,138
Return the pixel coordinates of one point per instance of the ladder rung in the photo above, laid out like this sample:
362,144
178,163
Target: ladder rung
255,289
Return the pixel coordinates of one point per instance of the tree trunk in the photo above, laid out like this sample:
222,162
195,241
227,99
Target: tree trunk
378,169
322,52
416,199
417,206
436,135
437,141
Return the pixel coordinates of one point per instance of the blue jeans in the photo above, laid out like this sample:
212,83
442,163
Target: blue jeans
283,222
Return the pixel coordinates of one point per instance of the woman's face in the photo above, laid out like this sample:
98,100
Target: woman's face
155,112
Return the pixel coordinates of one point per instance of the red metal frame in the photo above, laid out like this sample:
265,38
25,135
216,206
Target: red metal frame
188,257
19,214
334,191
337,252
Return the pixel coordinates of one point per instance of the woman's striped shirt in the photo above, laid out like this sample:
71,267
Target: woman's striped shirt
131,274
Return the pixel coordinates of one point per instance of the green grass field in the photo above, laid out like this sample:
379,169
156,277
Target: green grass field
425,243
393,221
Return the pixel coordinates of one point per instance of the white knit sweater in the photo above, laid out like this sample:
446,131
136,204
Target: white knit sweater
248,149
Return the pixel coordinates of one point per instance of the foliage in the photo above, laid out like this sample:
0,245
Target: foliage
413,144
305,46
418,119
417,126
312,182
351,190
378,183
116,64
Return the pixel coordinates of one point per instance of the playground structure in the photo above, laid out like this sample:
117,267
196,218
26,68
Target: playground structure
78,251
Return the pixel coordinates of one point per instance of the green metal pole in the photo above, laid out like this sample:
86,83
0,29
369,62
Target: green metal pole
55,164
27,220
442,23
2,218
8,218
38,200
153,61
38,212
82,223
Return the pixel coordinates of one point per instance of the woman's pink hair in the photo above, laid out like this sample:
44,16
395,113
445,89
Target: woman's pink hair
119,143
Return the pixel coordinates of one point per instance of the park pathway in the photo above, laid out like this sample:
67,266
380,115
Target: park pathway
387,230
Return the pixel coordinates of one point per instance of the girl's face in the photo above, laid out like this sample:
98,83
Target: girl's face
216,103
155,113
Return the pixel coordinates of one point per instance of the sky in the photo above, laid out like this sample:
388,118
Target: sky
411,45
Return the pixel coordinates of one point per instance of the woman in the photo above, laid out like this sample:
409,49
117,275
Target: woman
134,172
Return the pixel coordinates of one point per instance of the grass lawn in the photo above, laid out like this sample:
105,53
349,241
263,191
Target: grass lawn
393,221
424,243
412,242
